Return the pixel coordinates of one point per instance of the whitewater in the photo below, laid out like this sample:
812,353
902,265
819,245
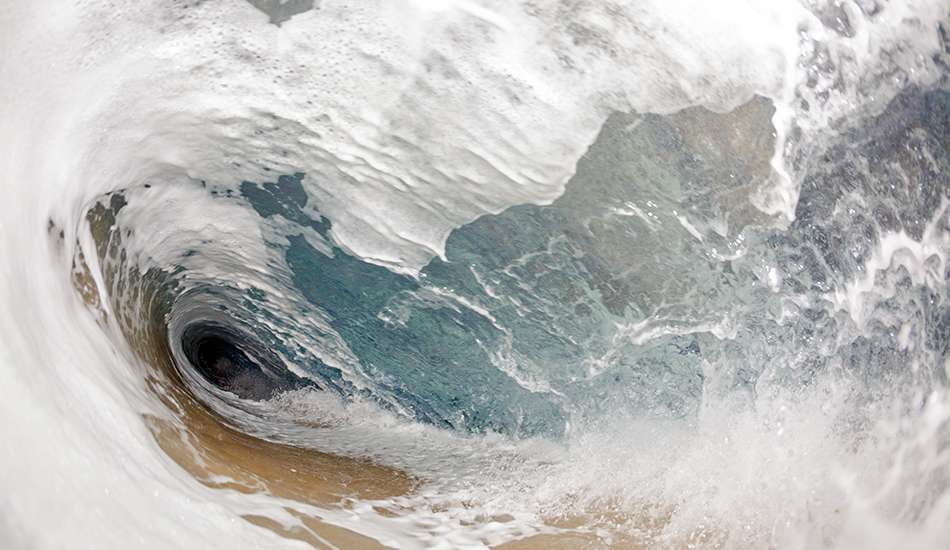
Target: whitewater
475,274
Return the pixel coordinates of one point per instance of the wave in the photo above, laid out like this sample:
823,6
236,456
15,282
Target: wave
467,275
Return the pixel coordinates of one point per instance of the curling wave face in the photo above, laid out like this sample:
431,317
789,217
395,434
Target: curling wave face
464,275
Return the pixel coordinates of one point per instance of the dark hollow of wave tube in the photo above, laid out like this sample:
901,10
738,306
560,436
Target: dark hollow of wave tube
233,363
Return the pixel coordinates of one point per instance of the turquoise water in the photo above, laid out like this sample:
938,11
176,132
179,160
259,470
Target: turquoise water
663,275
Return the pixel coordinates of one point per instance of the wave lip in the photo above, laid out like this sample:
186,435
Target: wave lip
191,359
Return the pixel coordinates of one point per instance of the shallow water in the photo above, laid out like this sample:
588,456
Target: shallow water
468,275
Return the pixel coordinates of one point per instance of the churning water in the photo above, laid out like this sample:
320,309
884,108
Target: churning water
468,274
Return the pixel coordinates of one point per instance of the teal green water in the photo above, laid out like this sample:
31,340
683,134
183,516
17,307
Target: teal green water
605,302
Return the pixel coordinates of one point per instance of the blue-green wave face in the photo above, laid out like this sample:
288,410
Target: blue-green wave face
611,301
475,274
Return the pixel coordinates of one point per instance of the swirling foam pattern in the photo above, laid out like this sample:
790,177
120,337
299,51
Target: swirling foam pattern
447,274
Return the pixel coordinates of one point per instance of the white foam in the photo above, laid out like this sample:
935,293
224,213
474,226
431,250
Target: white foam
410,122
410,119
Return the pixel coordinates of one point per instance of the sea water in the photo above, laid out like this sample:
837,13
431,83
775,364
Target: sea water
447,274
